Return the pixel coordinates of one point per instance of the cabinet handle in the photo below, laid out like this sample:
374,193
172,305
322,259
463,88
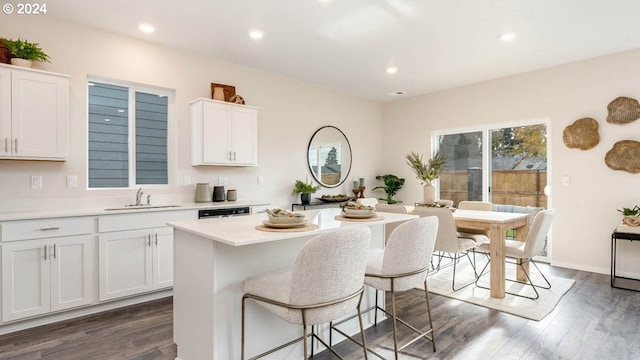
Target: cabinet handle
16,141
149,240
156,236
6,145
50,228
45,252
234,156
53,255
229,155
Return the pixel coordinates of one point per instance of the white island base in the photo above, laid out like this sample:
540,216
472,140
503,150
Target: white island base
212,257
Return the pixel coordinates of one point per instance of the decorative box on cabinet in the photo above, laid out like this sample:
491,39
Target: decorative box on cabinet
223,133
49,270
33,114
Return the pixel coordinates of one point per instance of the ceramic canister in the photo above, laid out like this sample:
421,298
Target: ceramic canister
218,193
232,195
203,192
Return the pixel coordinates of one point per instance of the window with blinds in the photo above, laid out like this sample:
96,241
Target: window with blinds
128,130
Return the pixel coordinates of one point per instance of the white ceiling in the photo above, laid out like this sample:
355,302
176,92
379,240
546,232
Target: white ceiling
346,45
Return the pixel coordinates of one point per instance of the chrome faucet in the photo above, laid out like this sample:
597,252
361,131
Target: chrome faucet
139,197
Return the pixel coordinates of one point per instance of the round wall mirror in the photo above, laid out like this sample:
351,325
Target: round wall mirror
329,156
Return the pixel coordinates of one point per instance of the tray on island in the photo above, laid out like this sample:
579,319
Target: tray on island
334,199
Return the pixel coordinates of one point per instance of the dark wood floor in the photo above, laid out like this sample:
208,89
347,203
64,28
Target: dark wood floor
593,321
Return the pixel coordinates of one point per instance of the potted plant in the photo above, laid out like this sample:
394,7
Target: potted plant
305,189
630,216
391,186
24,52
427,172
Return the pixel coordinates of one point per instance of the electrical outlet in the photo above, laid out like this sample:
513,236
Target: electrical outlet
260,180
222,180
186,180
36,182
72,181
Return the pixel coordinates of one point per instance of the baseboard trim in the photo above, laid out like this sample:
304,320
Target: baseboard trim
24,324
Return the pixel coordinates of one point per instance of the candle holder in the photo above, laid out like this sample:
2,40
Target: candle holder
358,193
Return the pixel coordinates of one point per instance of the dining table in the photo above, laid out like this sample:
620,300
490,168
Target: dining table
496,223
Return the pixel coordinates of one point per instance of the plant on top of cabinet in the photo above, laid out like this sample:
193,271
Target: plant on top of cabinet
25,50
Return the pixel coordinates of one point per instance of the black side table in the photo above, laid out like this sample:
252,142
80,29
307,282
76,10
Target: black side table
313,204
621,282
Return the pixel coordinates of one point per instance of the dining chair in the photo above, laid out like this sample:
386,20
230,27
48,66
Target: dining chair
474,205
324,284
390,208
402,265
523,251
449,244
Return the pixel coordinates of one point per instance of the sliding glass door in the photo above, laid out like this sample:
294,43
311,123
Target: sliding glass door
519,165
502,164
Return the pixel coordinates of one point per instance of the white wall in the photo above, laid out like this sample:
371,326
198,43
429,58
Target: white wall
586,209
290,112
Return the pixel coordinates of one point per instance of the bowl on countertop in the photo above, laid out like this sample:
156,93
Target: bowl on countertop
282,216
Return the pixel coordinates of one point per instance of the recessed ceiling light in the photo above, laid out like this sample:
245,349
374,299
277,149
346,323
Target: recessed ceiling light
397,93
507,36
147,28
392,69
256,34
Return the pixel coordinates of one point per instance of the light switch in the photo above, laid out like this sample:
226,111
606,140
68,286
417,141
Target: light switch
566,180
186,180
72,181
222,180
36,182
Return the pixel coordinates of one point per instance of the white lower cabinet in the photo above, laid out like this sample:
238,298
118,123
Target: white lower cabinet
135,261
41,276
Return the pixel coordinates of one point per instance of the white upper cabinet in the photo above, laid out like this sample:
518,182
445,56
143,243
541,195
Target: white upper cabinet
224,133
33,114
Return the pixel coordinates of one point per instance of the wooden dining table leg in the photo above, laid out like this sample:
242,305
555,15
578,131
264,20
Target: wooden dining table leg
521,235
497,252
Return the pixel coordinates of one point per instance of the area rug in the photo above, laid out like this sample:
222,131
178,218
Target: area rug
440,283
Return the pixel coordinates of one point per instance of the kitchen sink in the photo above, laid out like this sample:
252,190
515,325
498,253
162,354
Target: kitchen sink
141,207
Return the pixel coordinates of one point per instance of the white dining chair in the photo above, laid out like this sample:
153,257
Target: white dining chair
391,208
449,244
523,252
325,283
470,233
402,265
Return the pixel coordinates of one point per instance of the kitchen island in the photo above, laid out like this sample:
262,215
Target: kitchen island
212,257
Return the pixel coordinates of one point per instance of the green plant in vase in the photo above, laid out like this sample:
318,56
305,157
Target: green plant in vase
392,184
427,172
28,51
305,189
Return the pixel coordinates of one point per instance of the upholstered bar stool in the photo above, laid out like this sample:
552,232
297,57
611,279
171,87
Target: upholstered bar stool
403,265
325,283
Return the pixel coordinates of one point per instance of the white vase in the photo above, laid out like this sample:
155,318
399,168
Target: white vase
21,62
429,193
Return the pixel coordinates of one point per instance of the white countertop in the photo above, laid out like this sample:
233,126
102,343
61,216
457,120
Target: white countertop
240,230
43,214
